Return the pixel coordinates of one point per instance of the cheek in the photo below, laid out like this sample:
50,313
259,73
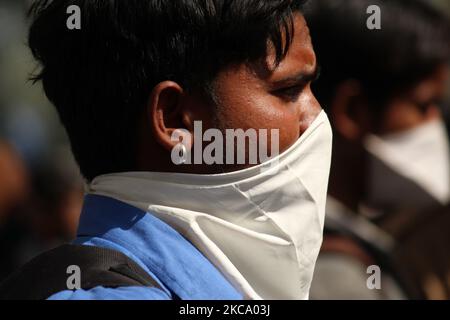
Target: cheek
288,124
263,113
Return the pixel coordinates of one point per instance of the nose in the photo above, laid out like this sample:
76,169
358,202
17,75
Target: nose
309,111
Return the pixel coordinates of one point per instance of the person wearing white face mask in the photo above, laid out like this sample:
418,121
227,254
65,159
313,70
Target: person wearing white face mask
424,181
155,229
390,164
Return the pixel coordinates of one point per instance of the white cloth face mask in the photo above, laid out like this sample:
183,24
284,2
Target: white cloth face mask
262,231
421,155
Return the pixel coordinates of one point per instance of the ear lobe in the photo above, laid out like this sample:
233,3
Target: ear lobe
166,112
349,111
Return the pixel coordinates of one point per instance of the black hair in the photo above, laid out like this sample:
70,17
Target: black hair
100,77
412,42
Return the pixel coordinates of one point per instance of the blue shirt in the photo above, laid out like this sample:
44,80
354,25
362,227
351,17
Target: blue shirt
177,266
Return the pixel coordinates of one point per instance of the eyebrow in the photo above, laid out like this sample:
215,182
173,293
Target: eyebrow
302,77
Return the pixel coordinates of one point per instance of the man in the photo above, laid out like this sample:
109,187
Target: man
391,163
138,73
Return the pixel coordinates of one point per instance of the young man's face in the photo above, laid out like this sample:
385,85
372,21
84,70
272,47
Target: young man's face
259,95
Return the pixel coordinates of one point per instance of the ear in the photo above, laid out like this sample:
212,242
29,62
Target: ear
350,111
167,114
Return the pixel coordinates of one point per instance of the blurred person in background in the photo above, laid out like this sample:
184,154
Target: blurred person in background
39,207
13,182
14,185
41,189
40,202
383,89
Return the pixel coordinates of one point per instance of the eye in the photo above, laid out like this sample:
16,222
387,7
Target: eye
425,106
290,93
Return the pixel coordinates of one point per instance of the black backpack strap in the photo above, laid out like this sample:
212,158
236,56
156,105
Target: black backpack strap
47,274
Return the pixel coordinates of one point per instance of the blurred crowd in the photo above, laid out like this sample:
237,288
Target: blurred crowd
385,90
387,95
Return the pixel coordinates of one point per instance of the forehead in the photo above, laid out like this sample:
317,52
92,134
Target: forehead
299,59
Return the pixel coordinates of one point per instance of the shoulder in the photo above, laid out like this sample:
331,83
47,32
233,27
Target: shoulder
121,293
